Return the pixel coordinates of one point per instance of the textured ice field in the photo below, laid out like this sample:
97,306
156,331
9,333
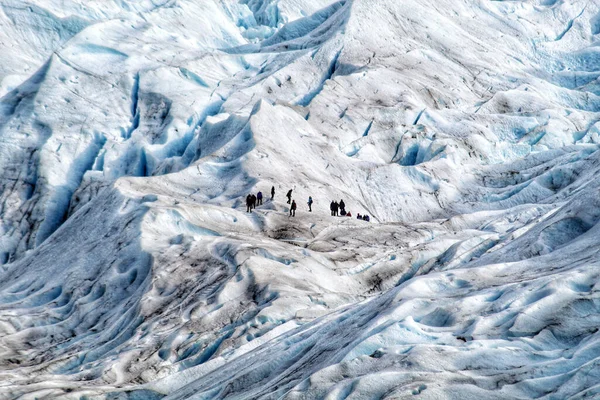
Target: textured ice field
131,133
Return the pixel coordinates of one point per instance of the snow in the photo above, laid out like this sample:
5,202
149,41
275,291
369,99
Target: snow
131,133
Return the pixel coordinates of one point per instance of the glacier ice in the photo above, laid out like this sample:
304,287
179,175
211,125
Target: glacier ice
131,132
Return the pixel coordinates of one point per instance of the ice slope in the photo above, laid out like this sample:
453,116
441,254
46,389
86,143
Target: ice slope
509,315
131,133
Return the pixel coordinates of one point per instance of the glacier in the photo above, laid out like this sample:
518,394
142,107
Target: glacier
132,131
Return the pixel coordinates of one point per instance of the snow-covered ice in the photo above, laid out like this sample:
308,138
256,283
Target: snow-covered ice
132,131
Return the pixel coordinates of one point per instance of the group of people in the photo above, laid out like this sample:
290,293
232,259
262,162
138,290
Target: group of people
363,217
336,208
252,201
339,209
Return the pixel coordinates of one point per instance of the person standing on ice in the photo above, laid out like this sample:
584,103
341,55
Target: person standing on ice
289,196
259,198
272,192
336,207
332,207
253,201
249,203
293,209
310,201
343,207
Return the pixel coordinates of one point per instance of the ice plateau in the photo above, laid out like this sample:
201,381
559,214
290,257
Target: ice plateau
132,131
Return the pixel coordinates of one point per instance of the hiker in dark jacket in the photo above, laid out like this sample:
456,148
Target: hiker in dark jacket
272,192
293,209
336,207
253,201
249,203
259,198
343,207
289,196
310,201
331,207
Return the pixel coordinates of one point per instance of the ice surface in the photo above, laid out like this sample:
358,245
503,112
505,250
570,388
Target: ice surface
131,132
